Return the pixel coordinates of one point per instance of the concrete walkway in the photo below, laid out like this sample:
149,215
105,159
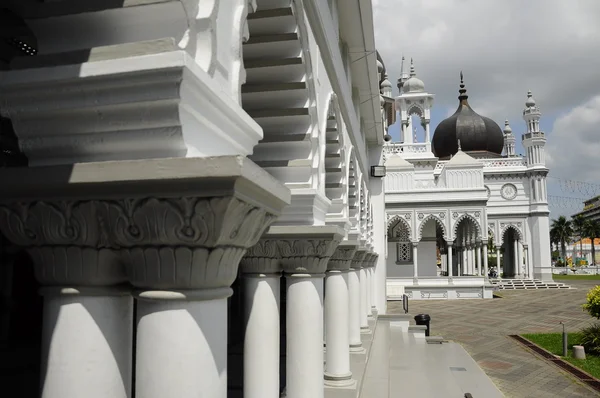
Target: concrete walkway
482,326
401,365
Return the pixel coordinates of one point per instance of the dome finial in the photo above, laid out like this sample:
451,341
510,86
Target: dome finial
459,147
507,128
412,68
463,91
530,101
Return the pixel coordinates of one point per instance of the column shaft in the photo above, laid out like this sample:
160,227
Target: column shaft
86,344
261,340
498,262
478,254
337,358
415,261
373,290
369,291
182,344
364,322
304,329
449,257
354,310
516,258
485,260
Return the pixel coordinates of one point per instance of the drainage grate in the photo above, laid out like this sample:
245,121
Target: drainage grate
457,369
589,380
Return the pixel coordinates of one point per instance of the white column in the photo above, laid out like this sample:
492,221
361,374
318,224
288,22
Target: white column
337,356
527,270
427,134
182,343
415,246
304,334
498,261
87,341
364,321
516,258
485,260
520,259
373,288
354,310
369,288
478,254
261,340
449,262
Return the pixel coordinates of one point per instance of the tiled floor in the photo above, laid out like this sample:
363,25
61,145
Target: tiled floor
482,326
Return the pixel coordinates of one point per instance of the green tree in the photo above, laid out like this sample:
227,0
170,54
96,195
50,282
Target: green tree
591,230
578,224
561,232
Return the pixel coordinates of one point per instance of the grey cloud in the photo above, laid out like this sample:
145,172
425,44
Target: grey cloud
504,48
572,153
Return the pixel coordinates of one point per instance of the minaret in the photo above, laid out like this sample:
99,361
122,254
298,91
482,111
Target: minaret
533,140
509,140
538,222
413,100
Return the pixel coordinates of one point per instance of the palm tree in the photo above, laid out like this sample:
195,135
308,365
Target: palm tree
592,231
579,229
561,232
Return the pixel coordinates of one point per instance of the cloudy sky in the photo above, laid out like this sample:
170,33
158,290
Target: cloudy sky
504,48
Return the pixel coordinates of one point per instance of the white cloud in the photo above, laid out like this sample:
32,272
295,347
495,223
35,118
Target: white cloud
504,47
573,146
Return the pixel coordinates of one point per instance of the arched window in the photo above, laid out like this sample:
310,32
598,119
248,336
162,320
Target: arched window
401,236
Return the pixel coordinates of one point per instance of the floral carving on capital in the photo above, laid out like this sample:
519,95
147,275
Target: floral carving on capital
306,255
150,242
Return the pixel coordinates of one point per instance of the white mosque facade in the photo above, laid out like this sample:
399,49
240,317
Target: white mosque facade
459,195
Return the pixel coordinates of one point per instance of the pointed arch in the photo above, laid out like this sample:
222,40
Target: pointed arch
396,221
424,221
473,220
505,229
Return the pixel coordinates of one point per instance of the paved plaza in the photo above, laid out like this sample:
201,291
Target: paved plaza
482,327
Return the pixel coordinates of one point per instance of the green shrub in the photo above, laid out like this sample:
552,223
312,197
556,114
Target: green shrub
592,305
491,262
590,339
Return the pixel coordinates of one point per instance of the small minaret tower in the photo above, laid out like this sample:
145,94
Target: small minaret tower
509,140
539,222
413,100
533,140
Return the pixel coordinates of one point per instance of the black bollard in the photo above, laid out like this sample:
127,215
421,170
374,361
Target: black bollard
423,319
565,340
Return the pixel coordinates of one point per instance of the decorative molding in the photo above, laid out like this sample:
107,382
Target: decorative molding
508,191
425,219
341,259
162,242
357,261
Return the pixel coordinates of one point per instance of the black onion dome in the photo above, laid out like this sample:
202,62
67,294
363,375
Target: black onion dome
476,133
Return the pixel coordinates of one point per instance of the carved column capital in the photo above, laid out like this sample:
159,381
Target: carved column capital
189,233
359,256
66,241
305,249
262,258
342,257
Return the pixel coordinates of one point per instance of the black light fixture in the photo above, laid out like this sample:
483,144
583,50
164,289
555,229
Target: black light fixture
378,171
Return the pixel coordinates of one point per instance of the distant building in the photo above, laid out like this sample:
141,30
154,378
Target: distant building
591,209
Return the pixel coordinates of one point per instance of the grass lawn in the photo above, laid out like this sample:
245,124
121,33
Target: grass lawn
576,277
553,342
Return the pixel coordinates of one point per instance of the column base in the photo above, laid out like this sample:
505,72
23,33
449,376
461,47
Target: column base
365,330
339,381
415,281
450,281
357,349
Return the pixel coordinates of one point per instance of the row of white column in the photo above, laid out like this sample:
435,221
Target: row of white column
347,302
473,261
181,341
